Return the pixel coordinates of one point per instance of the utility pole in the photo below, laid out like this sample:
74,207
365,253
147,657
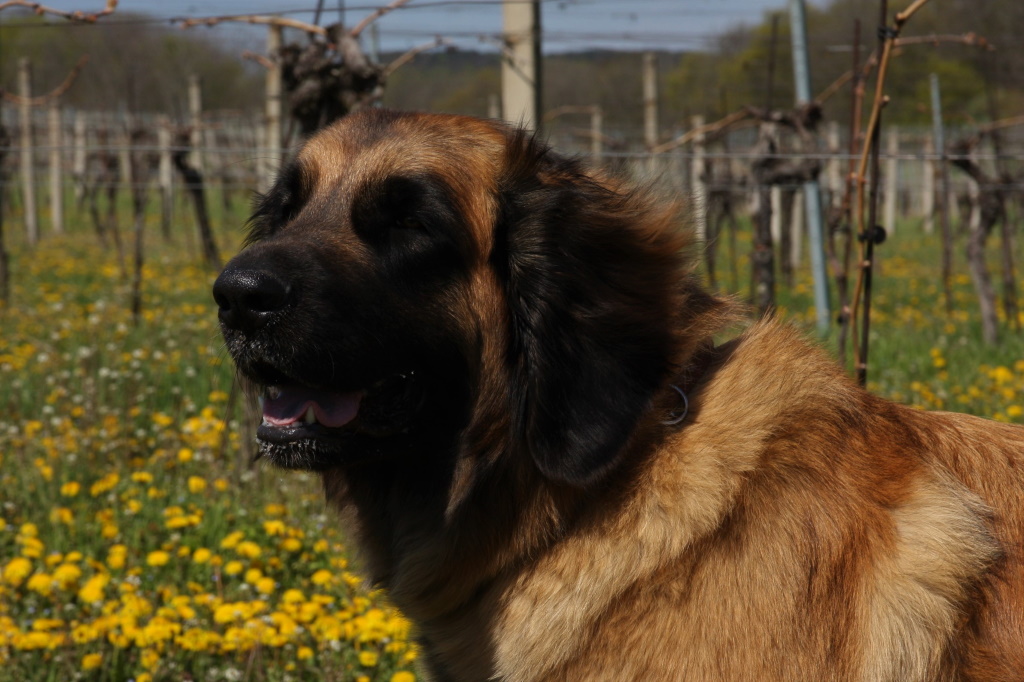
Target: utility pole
812,193
521,83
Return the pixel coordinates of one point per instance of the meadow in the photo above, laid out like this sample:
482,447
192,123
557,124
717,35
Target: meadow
137,540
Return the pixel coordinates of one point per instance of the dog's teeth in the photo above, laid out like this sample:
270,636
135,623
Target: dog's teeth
273,392
309,417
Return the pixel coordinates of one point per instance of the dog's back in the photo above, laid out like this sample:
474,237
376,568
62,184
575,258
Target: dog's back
798,528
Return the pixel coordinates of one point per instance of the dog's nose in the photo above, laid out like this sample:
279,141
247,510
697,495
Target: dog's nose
247,298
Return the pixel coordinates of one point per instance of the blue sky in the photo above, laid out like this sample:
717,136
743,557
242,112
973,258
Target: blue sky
568,24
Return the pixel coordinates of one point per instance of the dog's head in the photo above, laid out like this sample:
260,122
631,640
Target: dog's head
415,282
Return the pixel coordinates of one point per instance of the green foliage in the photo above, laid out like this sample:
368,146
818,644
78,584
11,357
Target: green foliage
132,64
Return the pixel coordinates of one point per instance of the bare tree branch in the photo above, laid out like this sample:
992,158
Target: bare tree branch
373,16
404,59
254,19
710,128
76,15
53,94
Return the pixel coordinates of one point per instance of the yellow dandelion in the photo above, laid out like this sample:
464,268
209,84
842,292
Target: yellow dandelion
92,661
201,555
157,558
40,583
275,510
304,653
67,575
403,676
16,570
322,577
185,455
70,489
93,590
248,549
233,567
232,540
368,659
196,484
274,527
265,585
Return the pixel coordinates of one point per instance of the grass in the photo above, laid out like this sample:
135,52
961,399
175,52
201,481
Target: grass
135,543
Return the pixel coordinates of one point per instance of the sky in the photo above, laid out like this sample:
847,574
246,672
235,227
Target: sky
568,25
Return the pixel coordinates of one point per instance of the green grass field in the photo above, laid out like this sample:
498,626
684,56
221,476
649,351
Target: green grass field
137,543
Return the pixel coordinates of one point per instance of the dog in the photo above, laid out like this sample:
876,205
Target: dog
504,369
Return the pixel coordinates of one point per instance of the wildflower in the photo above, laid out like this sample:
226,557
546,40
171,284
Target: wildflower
116,556
196,484
403,676
62,515
322,577
40,583
275,510
149,659
157,558
201,555
304,653
16,570
104,485
93,590
67,575
232,540
233,567
185,455
248,549
70,489
291,545
274,527
92,661
265,585
161,419
220,484
143,477
368,659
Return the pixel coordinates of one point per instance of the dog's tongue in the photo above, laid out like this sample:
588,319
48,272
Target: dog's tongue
284,405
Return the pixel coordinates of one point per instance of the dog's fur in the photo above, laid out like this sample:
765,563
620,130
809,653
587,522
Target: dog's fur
518,490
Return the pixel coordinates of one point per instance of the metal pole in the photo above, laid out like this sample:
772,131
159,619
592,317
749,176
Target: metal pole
812,193
943,202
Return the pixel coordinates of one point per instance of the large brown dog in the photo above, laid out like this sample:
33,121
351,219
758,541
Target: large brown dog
484,352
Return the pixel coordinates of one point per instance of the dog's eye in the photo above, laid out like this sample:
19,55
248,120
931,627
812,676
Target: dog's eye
409,223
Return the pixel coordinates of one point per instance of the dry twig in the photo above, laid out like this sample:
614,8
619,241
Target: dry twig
53,94
867,238
76,15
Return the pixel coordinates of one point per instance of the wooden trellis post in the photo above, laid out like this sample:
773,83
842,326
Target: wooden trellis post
28,165
165,176
56,167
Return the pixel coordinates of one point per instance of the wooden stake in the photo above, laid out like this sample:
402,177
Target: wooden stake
28,164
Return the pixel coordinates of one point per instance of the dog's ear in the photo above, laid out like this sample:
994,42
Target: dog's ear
593,278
